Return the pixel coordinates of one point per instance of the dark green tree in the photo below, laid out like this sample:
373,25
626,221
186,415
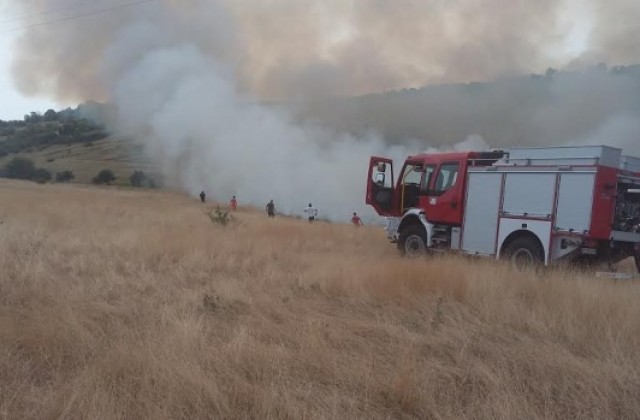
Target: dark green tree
65,176
50,115
138,178
105,176
20,168
41,176
33,118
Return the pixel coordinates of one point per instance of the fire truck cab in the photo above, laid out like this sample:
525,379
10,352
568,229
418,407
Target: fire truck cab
529,205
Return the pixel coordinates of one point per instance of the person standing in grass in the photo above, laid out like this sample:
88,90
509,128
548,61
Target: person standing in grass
203,196
234,203
271,209
312,213
357,222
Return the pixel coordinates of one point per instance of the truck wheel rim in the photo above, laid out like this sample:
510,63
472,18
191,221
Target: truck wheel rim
522,258
414,245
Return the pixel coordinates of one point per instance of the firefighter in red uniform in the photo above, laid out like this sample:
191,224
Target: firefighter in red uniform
234,203
356,220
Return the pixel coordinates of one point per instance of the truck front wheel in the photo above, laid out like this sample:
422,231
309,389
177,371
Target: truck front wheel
524,253
412,241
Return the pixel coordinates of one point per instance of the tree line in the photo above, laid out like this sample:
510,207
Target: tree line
38,131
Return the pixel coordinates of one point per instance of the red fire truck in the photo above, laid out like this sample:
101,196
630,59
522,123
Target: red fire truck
529,205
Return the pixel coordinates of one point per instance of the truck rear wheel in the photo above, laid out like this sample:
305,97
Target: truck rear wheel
412,241
637,258
524,253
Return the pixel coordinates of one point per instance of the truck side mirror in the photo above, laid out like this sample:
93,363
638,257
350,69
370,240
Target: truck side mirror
380,178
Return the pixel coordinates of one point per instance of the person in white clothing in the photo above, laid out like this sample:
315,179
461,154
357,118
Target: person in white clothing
312,212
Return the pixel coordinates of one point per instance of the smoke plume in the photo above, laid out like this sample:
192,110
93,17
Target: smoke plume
188,78
596,106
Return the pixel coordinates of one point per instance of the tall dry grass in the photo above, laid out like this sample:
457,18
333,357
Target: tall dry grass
123,304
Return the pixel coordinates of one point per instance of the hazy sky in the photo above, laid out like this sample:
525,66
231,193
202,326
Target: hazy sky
14,104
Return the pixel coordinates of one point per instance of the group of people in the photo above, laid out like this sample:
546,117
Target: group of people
233,204
311,212
271,211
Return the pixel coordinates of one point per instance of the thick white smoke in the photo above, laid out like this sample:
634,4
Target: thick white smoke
207,135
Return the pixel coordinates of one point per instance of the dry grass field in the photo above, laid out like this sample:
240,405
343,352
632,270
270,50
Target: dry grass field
120,304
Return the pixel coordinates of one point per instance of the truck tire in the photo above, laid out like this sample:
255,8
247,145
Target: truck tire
524,253
412,241
636,257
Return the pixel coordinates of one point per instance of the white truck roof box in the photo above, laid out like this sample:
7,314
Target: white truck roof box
628,163
566,155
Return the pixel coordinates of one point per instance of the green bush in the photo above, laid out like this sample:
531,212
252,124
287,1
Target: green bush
105,176
41,176
65,176
220,217
20,168
138,178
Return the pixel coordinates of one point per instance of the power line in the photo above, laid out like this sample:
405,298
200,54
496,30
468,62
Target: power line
79,16
77,5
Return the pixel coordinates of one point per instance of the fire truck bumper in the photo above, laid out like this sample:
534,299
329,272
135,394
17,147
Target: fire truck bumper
392,228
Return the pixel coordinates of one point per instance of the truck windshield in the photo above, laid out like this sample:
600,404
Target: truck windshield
447,177
426,178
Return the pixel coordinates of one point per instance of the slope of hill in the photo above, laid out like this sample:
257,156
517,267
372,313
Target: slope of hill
130,304
73,140
87,159
40,131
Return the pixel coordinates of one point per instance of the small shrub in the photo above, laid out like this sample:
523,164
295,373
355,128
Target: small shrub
105,176
220,217
41,176
138,178
65,176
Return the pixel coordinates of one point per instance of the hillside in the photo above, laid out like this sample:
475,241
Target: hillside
131,304
37,132
87,159
599,105
73,140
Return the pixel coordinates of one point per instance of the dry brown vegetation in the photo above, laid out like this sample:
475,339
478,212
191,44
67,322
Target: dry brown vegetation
128,304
